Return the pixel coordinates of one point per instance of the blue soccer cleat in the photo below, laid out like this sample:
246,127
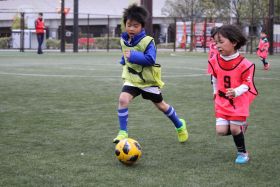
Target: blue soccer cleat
242,158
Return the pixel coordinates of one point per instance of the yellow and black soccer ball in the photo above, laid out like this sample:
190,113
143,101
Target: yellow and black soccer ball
128,151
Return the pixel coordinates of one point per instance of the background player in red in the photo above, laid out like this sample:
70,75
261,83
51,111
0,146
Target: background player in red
213,51
212,45
262,50
40,27
233,85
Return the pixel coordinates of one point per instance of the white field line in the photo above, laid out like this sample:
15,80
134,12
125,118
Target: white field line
88,69
267,78
55,75
199,69
118,76
88,76
80,69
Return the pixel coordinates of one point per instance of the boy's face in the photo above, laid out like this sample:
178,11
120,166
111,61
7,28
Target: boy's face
132,27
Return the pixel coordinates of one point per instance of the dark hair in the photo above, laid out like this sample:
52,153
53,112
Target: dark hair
40,14
136,13
233,34
263,31
213,31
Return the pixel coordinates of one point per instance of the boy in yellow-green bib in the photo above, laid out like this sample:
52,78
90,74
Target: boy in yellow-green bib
141,75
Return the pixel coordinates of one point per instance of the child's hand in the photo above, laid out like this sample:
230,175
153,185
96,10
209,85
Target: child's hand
230,93
127,53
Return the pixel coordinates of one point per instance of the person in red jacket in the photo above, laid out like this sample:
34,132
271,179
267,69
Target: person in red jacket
40,27
262,50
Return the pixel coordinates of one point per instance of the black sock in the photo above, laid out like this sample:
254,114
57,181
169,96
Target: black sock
240,142
264,62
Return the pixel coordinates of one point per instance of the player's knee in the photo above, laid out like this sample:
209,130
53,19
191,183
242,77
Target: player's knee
235,131
221,132
123,101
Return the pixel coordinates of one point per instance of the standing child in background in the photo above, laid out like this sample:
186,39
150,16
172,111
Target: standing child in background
213,51
233,87
262,50
141,74
40,27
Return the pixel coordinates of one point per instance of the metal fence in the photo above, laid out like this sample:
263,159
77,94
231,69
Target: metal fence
102,32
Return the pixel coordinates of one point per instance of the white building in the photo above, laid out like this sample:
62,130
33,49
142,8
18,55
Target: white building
100,13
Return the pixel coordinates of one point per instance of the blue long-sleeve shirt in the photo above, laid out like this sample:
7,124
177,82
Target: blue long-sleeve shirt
146,58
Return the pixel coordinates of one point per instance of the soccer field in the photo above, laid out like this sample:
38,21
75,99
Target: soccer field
58,117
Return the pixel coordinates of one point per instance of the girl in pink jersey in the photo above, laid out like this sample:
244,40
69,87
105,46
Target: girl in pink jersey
233,85
262,50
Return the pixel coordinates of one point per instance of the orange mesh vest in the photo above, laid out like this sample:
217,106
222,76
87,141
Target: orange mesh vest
40,26
231,74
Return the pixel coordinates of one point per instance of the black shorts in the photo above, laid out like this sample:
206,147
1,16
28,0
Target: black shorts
134,91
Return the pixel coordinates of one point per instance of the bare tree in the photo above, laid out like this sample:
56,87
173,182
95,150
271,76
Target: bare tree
215,8
182,8
242,11
196,8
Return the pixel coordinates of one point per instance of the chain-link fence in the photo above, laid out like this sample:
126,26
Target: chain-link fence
102,32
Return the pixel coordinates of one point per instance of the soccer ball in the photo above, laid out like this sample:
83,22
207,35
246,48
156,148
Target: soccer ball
128,151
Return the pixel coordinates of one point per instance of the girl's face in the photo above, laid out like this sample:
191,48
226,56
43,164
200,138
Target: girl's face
224,45
263,35
132,27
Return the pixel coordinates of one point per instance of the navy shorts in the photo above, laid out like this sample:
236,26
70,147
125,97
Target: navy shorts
134,91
